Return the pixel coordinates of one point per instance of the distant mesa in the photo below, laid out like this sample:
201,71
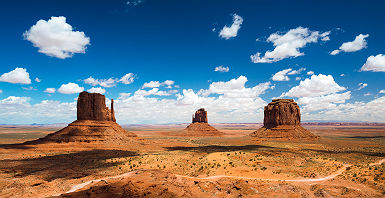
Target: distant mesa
200,126
95,123
282,119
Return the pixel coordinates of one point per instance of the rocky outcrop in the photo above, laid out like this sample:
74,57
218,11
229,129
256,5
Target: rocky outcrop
200,116
281,112
92,106
282,119
200,127
95,123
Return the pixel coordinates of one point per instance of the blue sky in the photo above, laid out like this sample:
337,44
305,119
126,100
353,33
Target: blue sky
183,42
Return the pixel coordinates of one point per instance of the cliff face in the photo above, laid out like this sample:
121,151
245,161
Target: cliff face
281,112
92,106
200,116
282,120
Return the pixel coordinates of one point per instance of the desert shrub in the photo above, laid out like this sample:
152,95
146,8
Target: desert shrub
263,168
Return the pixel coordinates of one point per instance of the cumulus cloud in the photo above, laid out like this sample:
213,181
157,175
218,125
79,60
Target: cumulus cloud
283,75
374,64
310,73
16,76
154,84
1,91
382,91
127,79
23,112
56,38
110,82
287,45
97,90
151,84
37,80
372,111
359,43
222,69
153,91
362,85
232,31
101,82
319,92
50,90
229,101
70,88
317,85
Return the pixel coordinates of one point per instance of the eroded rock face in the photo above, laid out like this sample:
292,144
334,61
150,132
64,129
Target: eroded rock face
200,116
281,112
92,106
282,120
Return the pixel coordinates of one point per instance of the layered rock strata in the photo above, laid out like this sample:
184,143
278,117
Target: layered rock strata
95,122
282,119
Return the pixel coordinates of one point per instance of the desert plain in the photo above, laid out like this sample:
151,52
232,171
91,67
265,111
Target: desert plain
347,160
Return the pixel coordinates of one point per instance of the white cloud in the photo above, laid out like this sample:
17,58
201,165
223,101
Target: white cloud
229,101
70,88
16,76
56,38
382,91
372,111
30,88
362,85
310,73
101,82
222,69
153,91
151,84
168,82
283,75
97,90
320,92
37,80
1,91
359,43
342,75
50,90
110,82
232,31
374,64
317,85
235,88
297,78
287,45
18,110
127,79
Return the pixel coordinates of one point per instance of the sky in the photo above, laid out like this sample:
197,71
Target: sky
162,60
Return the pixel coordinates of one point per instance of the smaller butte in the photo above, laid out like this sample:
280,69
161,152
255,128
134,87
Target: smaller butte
200,126
95,123
282,119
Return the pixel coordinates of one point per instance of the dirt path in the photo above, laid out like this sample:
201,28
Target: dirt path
216,177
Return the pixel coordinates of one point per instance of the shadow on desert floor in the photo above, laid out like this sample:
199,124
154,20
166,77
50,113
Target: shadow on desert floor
217,148
69,166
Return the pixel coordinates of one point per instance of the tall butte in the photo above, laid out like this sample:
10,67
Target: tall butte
282,119
95,123
200,126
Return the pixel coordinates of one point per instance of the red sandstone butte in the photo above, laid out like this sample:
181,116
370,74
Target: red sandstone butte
200,126
95,123
282,119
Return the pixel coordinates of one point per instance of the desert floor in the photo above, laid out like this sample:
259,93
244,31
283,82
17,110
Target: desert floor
346,161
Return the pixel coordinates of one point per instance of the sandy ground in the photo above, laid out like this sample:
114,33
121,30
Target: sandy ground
344,162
